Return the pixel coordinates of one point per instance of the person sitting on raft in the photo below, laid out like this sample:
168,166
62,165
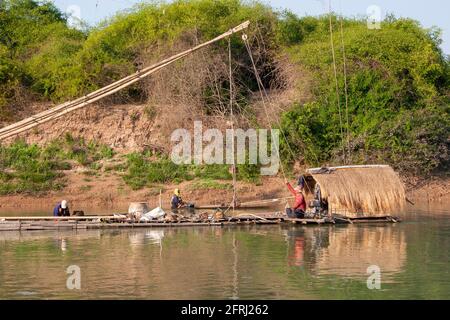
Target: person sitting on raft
176,202
61,209
298,211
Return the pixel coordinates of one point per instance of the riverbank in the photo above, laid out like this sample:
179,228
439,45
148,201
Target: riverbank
107,193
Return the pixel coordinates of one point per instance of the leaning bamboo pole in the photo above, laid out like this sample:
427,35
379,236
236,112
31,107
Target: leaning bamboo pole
62,109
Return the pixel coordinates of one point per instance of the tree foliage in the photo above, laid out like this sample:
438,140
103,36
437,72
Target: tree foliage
398,82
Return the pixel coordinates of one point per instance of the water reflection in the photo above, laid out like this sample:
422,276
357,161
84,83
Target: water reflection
41,235
138,239
306,244
352,250
254,262
347,251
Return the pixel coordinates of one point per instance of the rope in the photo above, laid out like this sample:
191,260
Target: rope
264,95
336,81
263,89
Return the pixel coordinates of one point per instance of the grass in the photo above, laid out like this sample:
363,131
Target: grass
29,168
214,171
85,188
143,170
150,112
208,184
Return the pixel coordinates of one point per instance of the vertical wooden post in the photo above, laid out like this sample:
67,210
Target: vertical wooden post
232,125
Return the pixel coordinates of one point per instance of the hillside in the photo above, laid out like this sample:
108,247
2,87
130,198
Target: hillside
391,105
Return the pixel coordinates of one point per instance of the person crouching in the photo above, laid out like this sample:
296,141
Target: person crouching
61,209
176,201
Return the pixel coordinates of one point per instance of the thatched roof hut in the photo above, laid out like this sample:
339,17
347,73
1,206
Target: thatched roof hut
368,190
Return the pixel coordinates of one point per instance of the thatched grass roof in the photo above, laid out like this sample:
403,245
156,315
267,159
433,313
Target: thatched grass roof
368,190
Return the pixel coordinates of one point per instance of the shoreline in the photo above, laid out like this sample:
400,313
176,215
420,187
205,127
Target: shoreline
110,195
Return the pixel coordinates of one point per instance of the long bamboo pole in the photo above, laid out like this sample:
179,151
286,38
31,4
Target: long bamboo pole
60,110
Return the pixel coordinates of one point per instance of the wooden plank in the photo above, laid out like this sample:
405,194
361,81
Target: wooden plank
306,221
36,218
73,224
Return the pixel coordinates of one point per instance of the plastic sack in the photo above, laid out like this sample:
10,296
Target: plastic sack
152,215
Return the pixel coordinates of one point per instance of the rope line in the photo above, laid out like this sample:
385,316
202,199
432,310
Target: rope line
263,89
263,93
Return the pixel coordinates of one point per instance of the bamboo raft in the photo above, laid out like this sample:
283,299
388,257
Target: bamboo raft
114,222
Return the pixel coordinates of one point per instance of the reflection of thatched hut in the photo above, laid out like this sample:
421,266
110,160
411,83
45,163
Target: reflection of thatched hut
352,250
358,190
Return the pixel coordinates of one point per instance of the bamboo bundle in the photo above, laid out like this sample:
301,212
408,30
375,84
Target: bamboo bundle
361,190
60,110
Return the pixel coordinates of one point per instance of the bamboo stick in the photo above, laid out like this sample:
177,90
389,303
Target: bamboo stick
313,170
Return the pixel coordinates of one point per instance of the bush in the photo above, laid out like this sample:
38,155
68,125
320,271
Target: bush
37,51
397,78
416,141
249,173
306,135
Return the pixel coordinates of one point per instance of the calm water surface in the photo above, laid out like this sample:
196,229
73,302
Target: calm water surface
256,262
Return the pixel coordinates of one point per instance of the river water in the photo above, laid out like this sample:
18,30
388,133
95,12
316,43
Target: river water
254,262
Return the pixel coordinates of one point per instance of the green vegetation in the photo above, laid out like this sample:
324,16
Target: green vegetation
26,168
85,153
208,184
398,85
398,82
213,171
145,170
37,51
42,55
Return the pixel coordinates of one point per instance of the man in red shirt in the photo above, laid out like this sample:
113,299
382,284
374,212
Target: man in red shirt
298,211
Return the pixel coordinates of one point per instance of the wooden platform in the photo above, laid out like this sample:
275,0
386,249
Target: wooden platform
113,222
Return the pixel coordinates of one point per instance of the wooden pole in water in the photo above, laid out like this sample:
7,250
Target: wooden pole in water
232,126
